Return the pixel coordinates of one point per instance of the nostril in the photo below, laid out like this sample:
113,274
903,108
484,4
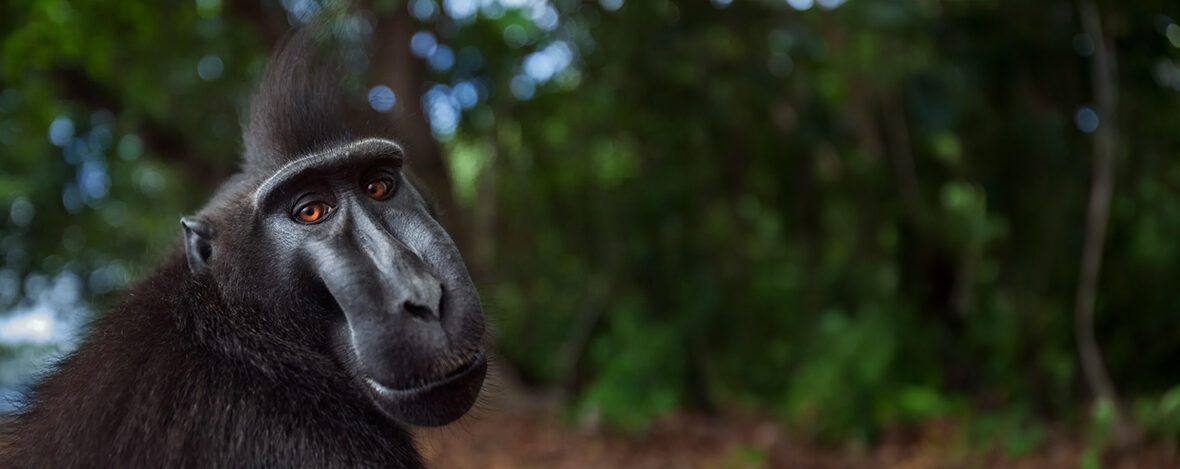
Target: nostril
418,311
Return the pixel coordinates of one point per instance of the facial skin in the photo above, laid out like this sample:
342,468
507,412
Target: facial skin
343,232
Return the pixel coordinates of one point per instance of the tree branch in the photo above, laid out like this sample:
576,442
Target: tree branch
1103,75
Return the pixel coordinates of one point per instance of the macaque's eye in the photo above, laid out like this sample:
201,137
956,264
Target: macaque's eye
312,212
379,188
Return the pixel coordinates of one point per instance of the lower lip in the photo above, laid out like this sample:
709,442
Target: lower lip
396,393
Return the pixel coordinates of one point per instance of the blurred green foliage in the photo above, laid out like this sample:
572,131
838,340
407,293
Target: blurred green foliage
861,215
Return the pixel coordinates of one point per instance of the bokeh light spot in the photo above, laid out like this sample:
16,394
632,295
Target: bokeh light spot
1173,34
801,4
150,181
424,10
1086,119
109,277
130,147
461,9
381,98
208,8
543,64
442,110
35,327
442,59
611,5
71,198
466,94
61,131
302,10
94,181
515,36
523,87
491,9
423,44
545,17
209,68
21,212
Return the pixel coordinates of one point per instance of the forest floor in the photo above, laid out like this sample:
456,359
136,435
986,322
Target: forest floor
527,433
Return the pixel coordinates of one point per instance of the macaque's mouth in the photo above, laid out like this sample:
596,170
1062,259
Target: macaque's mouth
436,402
456,374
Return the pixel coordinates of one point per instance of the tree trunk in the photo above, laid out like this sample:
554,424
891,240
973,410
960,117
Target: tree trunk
1102,68
392,64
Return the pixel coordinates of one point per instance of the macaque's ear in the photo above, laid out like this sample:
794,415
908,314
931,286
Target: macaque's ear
198,244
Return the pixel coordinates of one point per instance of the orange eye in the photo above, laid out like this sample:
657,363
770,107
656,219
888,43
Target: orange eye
379,188
312,212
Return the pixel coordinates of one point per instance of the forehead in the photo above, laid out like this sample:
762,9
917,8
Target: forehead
365,151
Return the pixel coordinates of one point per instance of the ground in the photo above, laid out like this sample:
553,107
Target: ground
532,435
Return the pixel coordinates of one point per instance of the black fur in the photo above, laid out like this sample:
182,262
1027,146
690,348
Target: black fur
239,355
174,377
303,76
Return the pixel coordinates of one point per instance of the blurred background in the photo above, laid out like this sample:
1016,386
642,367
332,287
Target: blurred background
709,233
